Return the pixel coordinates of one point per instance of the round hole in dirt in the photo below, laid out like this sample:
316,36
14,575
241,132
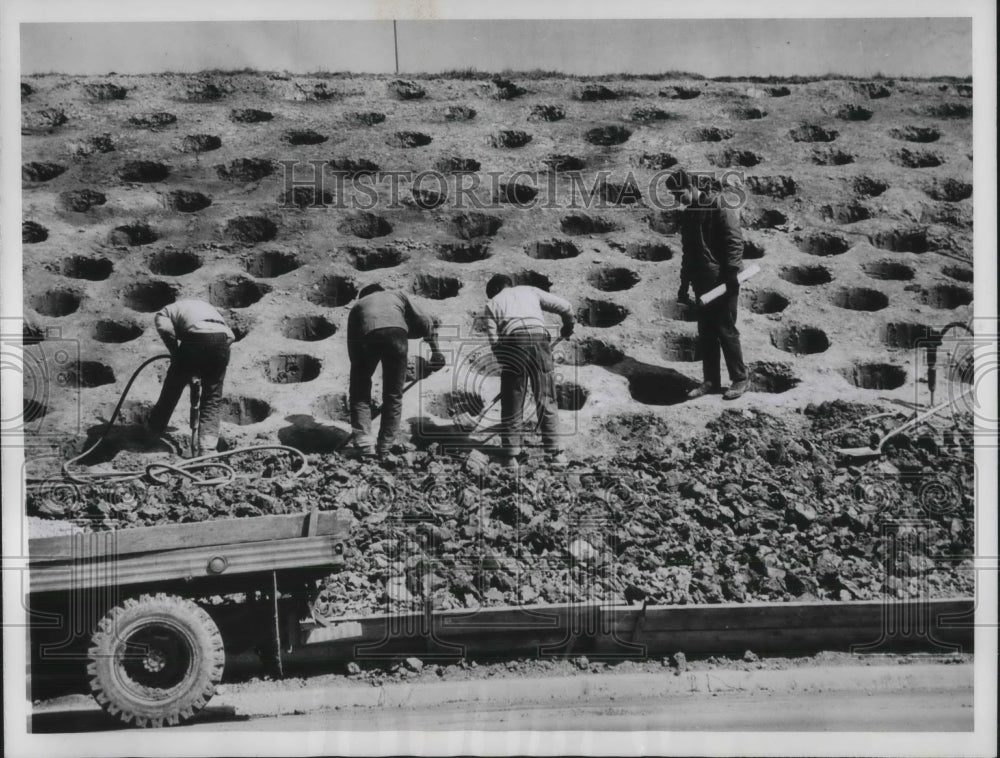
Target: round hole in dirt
148,296
303,137
400,89
860,299
104,91
912,239
650,115
730,157
812,133
454,165
436,287
456,113
854,113
291,368
613,279
332,291
677,346
752,250
508,138
846,213
916,158
143,171
949,110
244,411
408,139
763,218
807,276
653,252
748,113
82,267
469,253
875,376
364,118
960,273
709,134
268,264
87,374
872,90
607,136
455,403
250,230
33,233
352,166
571,396
40,171
132,235
581,223
905,335
590,351
44,120
81,200
831,157
867,186
553,249
245,170
679,92
823,243
764,301
187,201
306,197
654,385
619,193
778,187
676,310
654,161
888,270
308,328
773,378
371,258
115,331
945,296
601,313
516,193
174,262
800,340
915,134
529,278
236,292
949,190
548,113
55,302
249,116
596,92
332,407
365,225
469,226
200,143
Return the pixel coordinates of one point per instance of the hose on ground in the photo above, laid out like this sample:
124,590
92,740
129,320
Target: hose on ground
157,472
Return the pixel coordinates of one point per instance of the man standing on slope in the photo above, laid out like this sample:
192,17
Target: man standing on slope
378,330
712,246
516,330
198,339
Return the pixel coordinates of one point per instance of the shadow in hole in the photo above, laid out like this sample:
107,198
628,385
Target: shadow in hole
132,438
653,385
95,720
310,436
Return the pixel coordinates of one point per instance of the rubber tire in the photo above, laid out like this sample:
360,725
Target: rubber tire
190,695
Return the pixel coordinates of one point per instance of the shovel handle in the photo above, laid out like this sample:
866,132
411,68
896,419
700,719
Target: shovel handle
717,292
921,417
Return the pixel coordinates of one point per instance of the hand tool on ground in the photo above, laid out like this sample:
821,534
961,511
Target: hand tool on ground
873,452
716,292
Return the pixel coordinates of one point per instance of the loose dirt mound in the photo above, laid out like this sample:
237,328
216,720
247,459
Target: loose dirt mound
607,136
332,291
187,201
364,118
33,233
800,340
143,171
82,267
512,138
812,133
408,139
470,226
601,313
854,113
546,113
115,331
250,230
915,134
268,264
553,249
307,328
201,143
174,262
41,171
148,296
400,89
55,302
245,170
82,200
153,120
365,225
249,116
132,235
778,187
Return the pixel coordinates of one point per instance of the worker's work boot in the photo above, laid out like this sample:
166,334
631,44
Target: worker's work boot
736,389
705,388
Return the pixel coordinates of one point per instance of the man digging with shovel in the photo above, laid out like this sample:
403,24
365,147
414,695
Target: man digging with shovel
378,330
515,326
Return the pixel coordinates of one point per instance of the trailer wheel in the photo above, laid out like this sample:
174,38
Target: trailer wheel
155,660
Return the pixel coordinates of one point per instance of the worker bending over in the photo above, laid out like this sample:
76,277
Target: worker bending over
378,329
198,339
515,326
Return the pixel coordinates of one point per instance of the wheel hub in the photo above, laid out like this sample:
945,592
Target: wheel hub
155,661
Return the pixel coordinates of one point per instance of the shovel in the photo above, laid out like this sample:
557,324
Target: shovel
874,452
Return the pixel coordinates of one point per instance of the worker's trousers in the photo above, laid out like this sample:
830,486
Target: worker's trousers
525,357
388,347
198,356
717,333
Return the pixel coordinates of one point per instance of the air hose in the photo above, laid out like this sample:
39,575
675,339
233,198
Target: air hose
156,472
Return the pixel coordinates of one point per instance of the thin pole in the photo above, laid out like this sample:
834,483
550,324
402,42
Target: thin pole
395,45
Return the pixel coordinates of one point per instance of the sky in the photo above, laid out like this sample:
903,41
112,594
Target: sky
712,47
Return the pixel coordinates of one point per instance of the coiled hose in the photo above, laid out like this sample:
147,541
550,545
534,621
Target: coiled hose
158,472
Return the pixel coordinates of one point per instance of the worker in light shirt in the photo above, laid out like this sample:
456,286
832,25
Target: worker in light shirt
198,339
515,326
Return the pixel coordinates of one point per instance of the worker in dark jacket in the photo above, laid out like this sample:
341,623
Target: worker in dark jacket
378,331
515,326
712,247
198,339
